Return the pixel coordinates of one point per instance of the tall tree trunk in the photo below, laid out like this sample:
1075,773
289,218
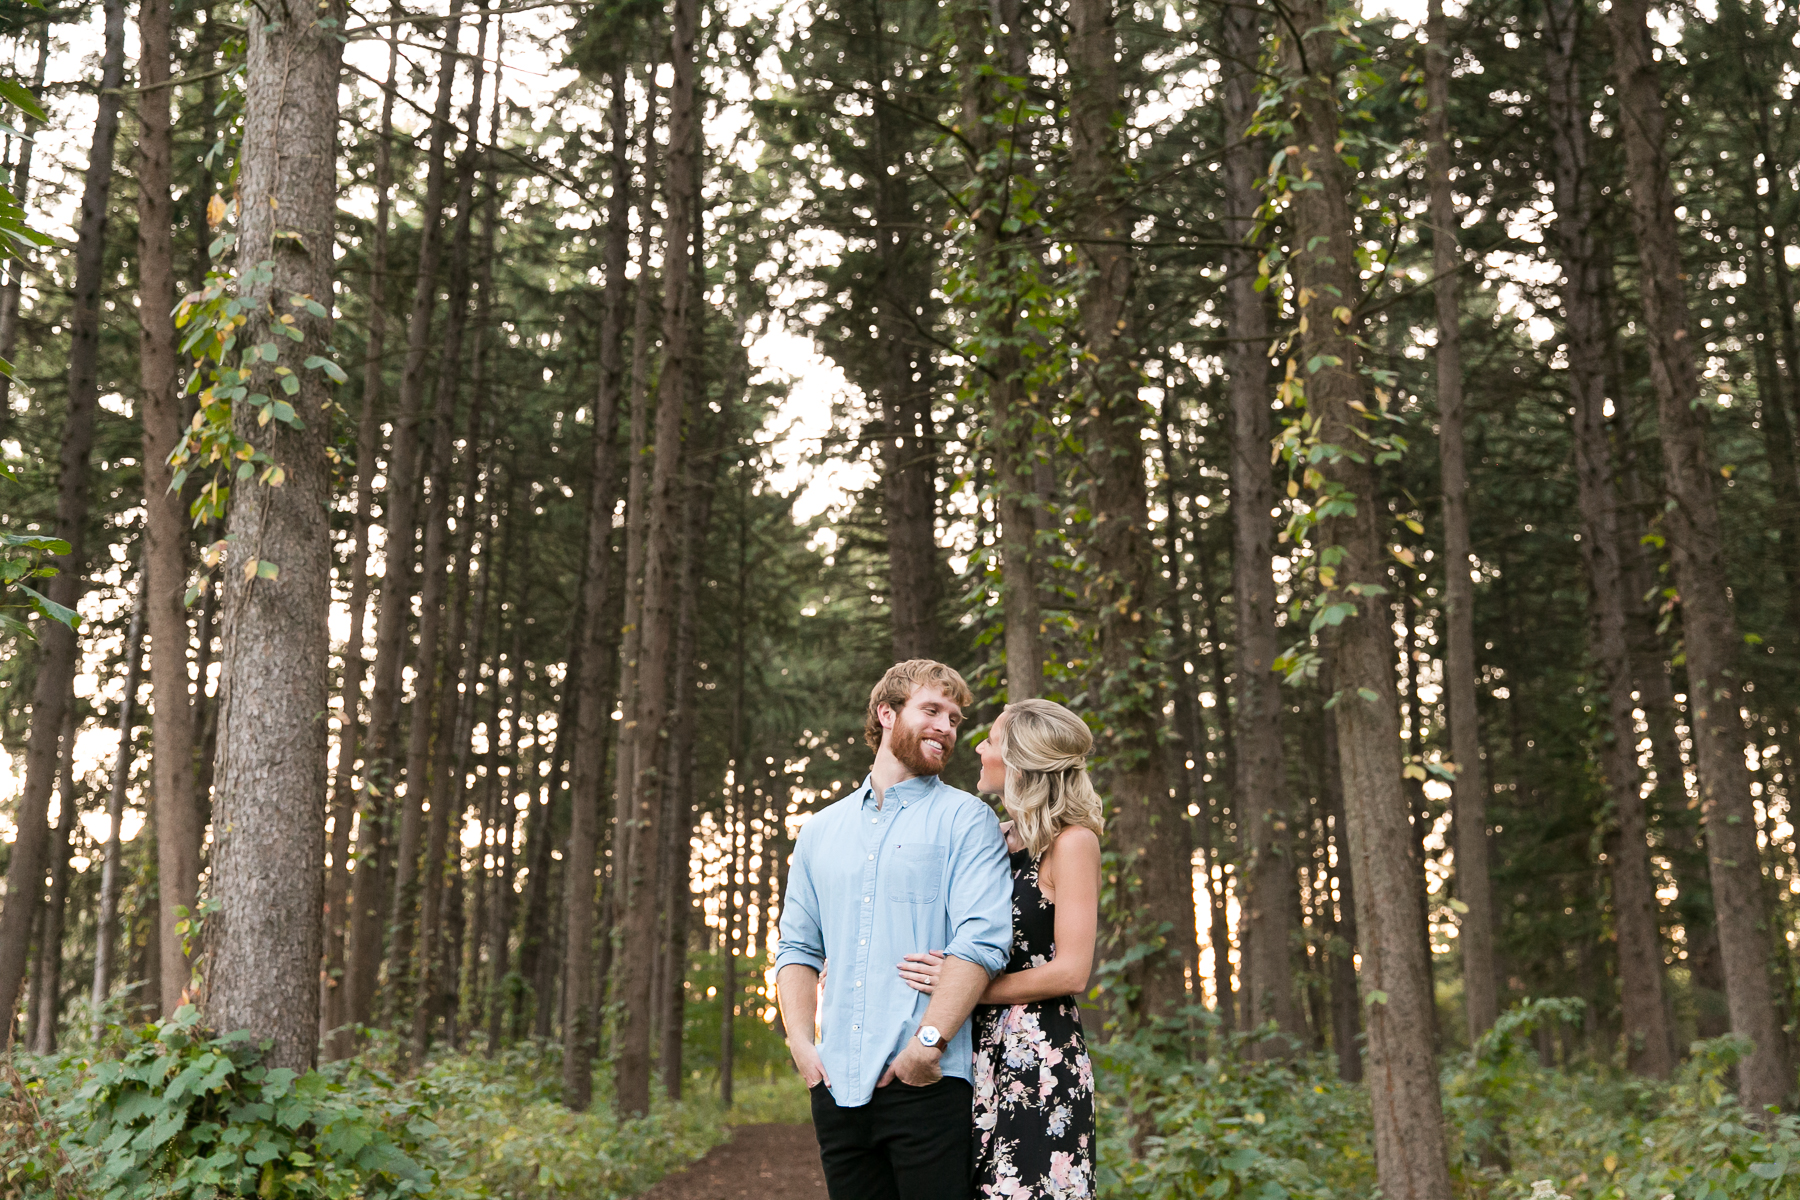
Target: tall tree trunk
1696,545
441,717
504,896
1475,935
1650,1046
680,809
908,451
178,824
106,934
394,611
1346,1007
1396,976
341,978
637,490
1012,415
264,942
595,690
1261,791
46,1004
638,886
14,284
1121,552
1214,833
736,795
52,691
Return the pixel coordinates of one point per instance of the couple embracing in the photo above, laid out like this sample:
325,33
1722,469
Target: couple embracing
949,1061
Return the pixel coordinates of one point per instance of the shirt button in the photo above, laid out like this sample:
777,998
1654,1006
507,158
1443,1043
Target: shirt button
859,983
865,899
855,1028
874,820
864,942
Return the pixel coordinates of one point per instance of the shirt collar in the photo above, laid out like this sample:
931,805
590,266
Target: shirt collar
905,792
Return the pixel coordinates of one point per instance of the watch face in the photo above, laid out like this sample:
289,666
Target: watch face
928,1037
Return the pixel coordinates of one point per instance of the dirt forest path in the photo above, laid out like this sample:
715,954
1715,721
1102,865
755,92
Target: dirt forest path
760,1162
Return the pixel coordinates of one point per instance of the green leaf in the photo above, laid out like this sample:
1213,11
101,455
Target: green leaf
1367,694
51,609
20,96
266,569
291,385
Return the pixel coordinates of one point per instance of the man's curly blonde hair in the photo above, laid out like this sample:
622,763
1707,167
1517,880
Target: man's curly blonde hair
899,684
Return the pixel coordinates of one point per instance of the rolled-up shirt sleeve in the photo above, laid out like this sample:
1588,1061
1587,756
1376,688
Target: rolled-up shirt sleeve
802,939
980,883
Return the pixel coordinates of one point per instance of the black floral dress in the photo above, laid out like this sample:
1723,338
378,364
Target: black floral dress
1034,1082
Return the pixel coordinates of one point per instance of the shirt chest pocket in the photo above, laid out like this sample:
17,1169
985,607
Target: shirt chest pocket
915,873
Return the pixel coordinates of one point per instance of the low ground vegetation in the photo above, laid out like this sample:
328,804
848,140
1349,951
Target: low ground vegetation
171,1111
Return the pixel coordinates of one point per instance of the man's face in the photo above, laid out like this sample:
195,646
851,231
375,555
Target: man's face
922,735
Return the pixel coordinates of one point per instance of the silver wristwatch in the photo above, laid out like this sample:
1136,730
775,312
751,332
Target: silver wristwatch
929,1036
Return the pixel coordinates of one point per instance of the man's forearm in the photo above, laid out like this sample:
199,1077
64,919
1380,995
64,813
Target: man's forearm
798,987
960,984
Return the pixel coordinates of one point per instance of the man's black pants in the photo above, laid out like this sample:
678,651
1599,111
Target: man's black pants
906,1143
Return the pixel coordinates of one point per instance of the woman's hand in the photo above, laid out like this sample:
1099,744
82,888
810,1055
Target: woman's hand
920,971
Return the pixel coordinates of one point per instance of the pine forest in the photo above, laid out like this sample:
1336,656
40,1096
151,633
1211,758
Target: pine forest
467,461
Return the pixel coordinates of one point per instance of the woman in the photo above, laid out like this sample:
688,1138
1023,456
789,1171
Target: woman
1034,1082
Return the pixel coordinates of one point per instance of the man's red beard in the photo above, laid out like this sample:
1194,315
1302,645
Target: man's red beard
907,743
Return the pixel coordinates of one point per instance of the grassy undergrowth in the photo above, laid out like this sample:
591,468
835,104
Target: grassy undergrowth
1195,1117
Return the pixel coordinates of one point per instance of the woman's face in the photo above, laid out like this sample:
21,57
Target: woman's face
993,768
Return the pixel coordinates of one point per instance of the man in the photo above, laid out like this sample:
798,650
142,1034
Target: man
904,864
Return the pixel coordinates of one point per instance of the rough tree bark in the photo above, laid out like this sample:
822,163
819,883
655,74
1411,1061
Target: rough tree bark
1696,545
338,978
1396,978
52,691
638,941
1121,553
263,944
178,822
594,689
1475,933
1650,1048
1261,786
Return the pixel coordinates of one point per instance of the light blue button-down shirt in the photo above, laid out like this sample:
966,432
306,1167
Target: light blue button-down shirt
928,870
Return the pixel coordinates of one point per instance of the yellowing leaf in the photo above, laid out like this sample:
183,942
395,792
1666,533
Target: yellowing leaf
1413,525
215,210
249,568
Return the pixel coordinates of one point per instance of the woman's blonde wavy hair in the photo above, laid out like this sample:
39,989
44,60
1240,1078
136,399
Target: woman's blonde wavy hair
1045,749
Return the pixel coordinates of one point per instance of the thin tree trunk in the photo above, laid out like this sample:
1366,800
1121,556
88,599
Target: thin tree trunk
733,806
264,943
394,612
1696,545
46,1004
661,580
1650,1046
1012,415
1396,977
1267,912
433,743
14,284
908,451
1475,935
1214,835
595,690
106,934
52,691
680,810
178,825
341,979
1122,553
1346,1007
502,907
637,485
